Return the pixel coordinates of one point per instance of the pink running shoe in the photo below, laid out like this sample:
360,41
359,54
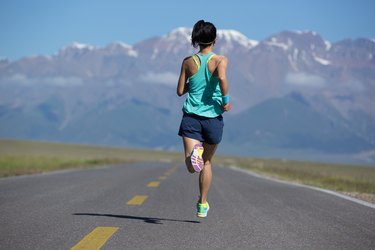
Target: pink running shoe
196,158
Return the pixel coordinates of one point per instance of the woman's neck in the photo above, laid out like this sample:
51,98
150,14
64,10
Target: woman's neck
205,50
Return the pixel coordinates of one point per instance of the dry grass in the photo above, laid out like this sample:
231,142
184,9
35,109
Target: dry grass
338,177
26,157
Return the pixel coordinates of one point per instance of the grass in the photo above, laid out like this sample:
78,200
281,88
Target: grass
28,157
338,177
22,165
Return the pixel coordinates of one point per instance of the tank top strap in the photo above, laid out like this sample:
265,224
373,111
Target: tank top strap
204,59
210,57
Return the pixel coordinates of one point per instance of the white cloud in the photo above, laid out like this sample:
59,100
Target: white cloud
305,80
163,78
62,81
48,80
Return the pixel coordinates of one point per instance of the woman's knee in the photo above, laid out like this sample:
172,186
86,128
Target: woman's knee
207,161
207,164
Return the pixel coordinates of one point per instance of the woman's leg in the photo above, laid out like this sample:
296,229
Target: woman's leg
205,176
188,146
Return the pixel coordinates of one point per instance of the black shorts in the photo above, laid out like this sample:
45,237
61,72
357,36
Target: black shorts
203,129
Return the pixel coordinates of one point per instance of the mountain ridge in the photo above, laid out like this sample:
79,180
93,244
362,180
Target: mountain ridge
81,82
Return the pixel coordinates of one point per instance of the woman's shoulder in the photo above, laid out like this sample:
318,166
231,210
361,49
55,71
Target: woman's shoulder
220,59
188,61
187,58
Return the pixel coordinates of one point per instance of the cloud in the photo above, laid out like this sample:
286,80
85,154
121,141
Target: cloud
48,80
164,78
302,79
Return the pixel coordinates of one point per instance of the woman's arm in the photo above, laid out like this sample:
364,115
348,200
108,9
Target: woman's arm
222,75
182,86
223,81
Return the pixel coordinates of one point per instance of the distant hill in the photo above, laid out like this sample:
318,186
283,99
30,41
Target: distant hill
294,94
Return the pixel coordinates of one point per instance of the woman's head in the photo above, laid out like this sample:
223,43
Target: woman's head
204,34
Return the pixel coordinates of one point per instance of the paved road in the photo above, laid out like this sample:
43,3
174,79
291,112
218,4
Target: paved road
88,207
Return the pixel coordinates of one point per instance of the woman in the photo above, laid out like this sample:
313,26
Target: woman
203,77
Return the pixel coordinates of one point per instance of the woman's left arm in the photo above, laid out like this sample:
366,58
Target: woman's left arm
182,86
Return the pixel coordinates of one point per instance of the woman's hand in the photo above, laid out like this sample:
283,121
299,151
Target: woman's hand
227,107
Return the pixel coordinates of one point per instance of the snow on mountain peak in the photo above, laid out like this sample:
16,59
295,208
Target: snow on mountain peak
328,45
303,40
80,46
235,36
305,32
273,41
228,36
179,33
322,60
118,47
75,48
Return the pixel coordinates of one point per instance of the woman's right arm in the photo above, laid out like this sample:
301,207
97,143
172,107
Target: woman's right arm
223,81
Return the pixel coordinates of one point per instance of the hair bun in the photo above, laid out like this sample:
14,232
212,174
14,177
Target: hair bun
204,33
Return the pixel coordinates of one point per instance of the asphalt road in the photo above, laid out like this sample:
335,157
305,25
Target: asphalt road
83,208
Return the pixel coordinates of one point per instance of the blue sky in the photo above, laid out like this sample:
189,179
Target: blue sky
42,27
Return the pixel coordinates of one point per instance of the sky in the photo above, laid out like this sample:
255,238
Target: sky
42,27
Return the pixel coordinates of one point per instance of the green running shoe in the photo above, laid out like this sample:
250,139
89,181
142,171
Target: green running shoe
202,209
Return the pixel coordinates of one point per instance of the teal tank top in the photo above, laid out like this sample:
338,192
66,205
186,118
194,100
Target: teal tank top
204,95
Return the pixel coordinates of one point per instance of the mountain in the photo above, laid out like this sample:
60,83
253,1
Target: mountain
294,94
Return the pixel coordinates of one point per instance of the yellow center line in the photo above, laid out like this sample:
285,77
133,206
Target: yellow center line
153,184
96,239
162,177
137,200
169,172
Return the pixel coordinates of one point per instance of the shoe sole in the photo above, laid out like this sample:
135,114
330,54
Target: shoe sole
201,216
197,160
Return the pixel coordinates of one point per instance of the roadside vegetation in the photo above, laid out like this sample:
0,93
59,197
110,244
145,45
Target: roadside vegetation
332,176
352,180
28,157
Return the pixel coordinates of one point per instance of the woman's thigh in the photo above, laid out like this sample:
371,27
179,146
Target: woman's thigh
189,144
209,151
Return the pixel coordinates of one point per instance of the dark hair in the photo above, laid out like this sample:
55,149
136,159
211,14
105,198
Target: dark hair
204,34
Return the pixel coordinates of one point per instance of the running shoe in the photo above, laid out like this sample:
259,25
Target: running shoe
202,209
196,158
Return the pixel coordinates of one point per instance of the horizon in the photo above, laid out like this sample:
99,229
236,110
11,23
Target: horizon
43,27
81,45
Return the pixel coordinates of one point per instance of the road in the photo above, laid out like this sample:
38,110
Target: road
152,206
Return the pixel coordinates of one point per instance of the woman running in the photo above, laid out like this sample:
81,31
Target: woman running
203,77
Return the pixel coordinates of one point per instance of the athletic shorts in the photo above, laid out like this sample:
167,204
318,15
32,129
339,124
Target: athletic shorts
203,129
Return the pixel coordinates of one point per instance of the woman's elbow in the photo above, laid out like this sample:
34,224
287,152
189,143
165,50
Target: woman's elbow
223,81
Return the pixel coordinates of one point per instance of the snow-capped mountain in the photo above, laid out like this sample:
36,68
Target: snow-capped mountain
293,90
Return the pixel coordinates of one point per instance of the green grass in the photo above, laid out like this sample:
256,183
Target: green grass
27,157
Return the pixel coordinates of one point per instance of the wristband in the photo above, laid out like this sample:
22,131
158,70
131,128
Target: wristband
225,99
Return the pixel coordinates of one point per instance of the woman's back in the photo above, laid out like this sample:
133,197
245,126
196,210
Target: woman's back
212,65
204,97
